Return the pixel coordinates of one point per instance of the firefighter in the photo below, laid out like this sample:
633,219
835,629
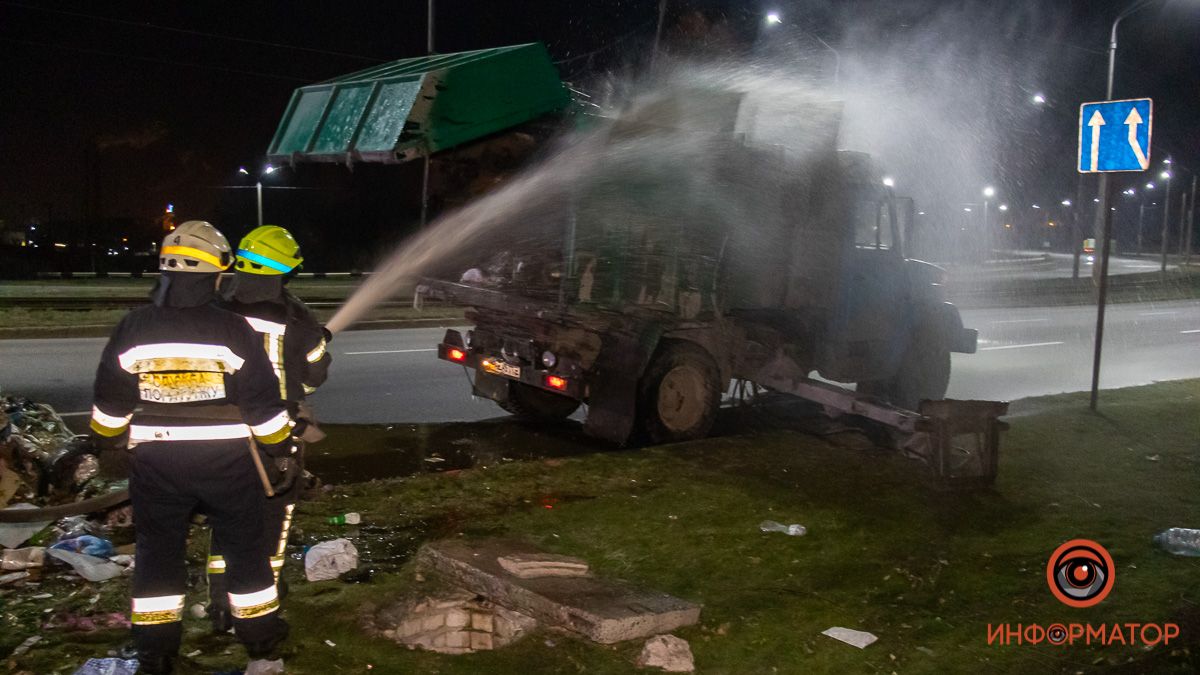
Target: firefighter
187,388
266,259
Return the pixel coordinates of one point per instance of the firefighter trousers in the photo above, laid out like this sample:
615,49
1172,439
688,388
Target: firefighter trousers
277,522
170,480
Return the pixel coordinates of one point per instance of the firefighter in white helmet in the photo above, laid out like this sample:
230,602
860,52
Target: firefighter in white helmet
187,388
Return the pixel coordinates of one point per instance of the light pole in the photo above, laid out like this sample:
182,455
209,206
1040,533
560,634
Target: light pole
988,193
268,170
1165,175
1106,212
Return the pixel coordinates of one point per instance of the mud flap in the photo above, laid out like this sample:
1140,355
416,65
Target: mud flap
612,397
490,386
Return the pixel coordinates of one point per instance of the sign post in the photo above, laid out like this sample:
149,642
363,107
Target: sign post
1113,136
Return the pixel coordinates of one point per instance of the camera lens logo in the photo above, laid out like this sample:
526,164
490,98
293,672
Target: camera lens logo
1080,573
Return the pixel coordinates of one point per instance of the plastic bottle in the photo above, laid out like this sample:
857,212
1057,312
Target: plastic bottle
1180,541
346,519
793,530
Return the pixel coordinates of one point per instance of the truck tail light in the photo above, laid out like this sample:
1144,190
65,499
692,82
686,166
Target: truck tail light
556,382
456,355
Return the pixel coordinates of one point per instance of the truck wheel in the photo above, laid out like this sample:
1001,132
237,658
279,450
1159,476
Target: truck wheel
679,394
924,373
529,402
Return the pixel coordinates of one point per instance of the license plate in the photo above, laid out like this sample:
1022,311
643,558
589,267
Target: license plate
502,368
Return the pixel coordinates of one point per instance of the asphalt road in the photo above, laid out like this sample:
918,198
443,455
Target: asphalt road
1061,267
395,376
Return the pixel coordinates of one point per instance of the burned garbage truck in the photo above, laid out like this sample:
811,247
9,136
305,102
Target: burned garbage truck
692,254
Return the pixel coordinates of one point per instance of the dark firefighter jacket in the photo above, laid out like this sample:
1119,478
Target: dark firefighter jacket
186,374
293,340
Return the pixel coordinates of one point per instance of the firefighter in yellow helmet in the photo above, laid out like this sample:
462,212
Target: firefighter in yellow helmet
296,345
186,387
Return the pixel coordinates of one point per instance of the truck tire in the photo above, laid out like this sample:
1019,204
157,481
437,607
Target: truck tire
924,373
529,402
679,394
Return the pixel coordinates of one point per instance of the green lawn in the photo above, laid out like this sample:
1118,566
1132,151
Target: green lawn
925,571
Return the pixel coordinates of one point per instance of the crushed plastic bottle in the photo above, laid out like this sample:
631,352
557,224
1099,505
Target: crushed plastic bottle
793,530
346,519
1180,541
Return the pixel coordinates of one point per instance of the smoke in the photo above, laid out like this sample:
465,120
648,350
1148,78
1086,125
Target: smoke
940,94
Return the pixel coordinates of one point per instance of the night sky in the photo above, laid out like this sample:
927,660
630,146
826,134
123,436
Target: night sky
116,109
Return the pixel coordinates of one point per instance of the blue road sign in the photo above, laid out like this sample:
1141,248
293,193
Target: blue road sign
1115,135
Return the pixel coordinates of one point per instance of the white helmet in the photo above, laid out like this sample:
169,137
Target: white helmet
195,246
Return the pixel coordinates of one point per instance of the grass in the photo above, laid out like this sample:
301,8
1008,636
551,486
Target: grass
925,571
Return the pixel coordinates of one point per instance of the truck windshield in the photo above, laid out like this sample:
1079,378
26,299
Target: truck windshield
873,225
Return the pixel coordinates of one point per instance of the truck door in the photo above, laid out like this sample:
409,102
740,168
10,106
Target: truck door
873,316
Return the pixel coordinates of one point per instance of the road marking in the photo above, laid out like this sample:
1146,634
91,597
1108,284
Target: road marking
1032,344
1185,332
391,351
1021,321
1155,313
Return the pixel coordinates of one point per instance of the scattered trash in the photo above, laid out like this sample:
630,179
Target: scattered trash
87,624
667,652
12,576
198,611
435,460
793,530
925,650
87,566
1180,541
22,558
265,667
26,645
855,638
109,666
194,653
329,559
13,535
41,596
331,643
87,544
346,519
1153,458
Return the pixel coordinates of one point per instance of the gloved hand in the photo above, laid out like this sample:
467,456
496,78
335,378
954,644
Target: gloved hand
283,472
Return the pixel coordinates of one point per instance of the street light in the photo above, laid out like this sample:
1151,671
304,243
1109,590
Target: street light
267,171
1066,202
1004,207
988,193
774,19
888,181
1039,98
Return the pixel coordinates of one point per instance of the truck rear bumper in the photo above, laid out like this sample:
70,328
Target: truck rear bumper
454,349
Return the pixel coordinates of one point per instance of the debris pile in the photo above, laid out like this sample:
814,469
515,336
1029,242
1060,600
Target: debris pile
41,460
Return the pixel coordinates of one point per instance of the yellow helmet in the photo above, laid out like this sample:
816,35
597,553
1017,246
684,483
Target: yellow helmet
194,246
269,250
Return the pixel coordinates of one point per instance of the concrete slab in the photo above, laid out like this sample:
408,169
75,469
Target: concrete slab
602,610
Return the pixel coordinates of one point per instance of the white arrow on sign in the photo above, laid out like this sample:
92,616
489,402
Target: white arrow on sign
1133,121
1095,123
